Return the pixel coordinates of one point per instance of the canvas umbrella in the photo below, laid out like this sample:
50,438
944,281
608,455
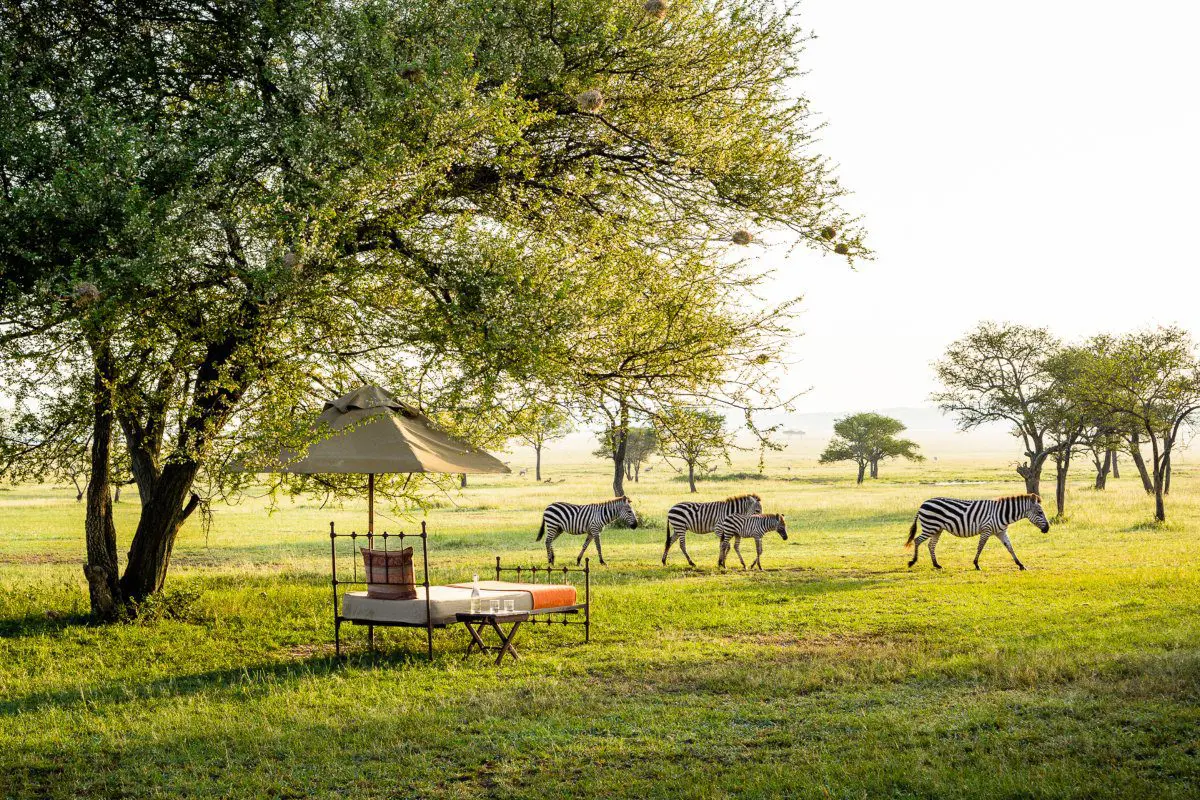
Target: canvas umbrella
372,433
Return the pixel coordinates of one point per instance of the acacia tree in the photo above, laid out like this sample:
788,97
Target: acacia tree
640,445
866,439
1002,373
213,216
541,423
695,437
632,447
1150,379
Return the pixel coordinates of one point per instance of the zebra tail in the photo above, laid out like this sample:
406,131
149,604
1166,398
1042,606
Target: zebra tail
541,532
912,533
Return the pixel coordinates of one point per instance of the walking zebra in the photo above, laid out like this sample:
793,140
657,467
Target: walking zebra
703,518
754,526
590,519
982,518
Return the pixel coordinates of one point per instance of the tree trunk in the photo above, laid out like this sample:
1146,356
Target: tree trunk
620,444
637,472
862,469
150,553
537,462
628,471
1061,467
1116,469
462,482
692,476
1167,477
1135,452
1032,473
117,493
1103,468
100,533
874,468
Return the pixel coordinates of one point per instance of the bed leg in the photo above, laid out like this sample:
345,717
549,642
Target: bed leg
587,601
371,638
337,637
429,638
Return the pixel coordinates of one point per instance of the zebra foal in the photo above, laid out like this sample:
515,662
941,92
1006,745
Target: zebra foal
587,519
739,526
701,517
966,518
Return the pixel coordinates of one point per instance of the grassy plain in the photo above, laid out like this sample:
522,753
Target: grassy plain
837,672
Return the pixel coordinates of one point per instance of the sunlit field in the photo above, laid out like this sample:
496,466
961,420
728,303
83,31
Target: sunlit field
836,672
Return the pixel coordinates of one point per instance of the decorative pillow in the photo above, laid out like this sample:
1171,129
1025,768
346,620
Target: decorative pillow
390,574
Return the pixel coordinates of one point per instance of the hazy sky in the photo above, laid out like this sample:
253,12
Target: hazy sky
1027,161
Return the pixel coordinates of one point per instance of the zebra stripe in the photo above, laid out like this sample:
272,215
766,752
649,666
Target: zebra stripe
701,517
735,527
982,518
588,519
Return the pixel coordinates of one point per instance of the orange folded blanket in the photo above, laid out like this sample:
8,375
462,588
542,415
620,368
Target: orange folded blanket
543,595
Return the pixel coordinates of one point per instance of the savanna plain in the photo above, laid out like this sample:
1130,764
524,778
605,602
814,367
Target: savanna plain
836,672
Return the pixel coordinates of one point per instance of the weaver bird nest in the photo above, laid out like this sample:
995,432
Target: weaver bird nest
84,294
828,232
590,101
657,8
743,237
842,249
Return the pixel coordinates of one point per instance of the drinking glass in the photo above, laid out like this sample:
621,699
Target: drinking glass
494,606
510,605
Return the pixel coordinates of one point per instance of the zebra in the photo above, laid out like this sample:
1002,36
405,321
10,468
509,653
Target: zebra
701,517
754,526
981,518
590,519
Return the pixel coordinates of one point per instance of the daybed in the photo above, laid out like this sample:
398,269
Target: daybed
542,593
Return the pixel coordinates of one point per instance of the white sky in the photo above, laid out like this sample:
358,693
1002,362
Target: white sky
1029,161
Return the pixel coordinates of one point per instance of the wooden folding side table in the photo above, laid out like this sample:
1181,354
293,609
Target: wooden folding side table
477,622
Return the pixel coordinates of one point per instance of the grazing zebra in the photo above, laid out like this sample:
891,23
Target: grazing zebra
703,518
590,519
982,518
754,526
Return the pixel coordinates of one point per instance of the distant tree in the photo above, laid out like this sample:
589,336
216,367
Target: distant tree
866,439
695,437
1068,414
541,423
1001,373
641,444
1150,379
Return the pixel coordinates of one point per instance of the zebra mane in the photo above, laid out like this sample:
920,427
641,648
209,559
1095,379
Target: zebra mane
742,497
1029,496
622,499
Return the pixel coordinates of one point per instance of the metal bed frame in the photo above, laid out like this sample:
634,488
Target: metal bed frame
529,573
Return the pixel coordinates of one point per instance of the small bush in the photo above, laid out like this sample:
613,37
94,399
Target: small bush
178,605
724,476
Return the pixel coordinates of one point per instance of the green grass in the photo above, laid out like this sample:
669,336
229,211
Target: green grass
837,672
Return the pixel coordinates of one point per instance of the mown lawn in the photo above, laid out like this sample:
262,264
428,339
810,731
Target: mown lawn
837,672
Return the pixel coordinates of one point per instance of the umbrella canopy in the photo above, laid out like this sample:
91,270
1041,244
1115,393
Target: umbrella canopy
373,433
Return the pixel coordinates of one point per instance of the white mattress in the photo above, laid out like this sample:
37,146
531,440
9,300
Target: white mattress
444,603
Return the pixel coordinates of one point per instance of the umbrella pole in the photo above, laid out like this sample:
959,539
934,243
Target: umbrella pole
371,510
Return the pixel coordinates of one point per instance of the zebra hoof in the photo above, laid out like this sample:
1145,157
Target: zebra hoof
1021,567
977,567
937,566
